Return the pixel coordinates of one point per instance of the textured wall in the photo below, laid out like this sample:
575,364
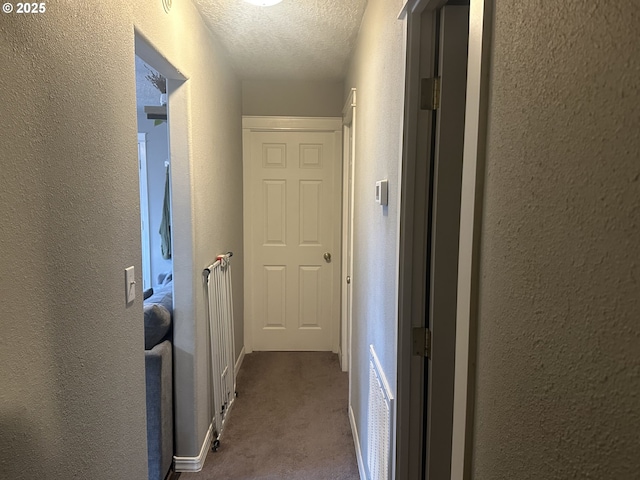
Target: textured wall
292,98
71,353
377,71
216,199
558,380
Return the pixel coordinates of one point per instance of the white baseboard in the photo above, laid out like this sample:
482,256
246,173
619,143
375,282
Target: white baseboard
194,464
239,362
356,441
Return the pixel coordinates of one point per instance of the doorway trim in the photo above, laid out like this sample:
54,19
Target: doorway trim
412,275
144,210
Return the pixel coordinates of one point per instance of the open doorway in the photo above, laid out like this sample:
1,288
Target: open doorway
157,264
154,168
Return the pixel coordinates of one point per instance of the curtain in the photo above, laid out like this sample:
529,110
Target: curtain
165,225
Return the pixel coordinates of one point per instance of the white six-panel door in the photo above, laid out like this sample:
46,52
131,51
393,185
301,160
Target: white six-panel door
292,237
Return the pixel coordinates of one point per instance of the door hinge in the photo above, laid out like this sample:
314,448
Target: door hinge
430,93
422,342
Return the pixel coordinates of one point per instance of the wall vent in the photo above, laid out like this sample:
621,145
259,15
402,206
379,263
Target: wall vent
380,419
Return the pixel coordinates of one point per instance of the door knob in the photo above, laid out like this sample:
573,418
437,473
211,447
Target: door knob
348,280
327,257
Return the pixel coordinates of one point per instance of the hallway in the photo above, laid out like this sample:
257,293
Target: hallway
289,421
548,380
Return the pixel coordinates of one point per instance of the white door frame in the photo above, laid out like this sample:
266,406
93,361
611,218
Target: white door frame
346,282
286,124
144,210
412,275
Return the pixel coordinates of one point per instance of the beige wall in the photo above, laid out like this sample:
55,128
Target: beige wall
71,352
377,72
559,334
296,98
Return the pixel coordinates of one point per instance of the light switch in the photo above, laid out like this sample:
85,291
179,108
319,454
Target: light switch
130,284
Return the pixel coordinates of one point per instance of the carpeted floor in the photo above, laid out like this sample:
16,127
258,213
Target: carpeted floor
289,422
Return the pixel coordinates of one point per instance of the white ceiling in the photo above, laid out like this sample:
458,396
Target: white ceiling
294,40
146,93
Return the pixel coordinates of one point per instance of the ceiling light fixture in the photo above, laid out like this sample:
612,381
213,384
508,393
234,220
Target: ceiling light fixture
263,3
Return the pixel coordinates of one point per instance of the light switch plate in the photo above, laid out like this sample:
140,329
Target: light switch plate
130,284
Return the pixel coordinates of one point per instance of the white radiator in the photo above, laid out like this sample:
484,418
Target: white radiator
219,300
380,421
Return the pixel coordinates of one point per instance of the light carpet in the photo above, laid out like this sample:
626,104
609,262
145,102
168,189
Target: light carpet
289,421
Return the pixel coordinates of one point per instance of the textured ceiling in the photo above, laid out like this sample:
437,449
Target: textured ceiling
296,39
146,93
